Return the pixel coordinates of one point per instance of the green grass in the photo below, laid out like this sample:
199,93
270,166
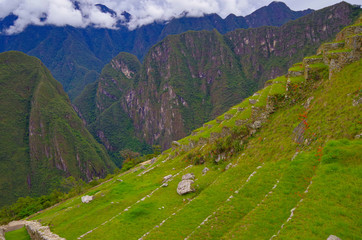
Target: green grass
297,68
340,50
318,65
270,176
243,215
314,56
296,80
20,234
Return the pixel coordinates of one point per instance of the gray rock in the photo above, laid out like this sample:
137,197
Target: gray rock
220,157
358,136
175,144
205,170
185,186
167,178
332,237
153,160
307,103
257,124
87,198
119,180
228,166
299,133
252,101
189,176
356,102
143,167
228,116
164,185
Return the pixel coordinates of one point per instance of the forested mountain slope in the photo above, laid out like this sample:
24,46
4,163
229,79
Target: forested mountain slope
42,139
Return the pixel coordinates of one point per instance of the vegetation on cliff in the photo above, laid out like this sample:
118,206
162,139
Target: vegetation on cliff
42,140
190,78
76,56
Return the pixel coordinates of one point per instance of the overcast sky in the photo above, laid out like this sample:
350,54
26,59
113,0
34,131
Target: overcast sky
63,12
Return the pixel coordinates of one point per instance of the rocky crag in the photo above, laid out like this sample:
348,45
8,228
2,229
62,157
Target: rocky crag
188,79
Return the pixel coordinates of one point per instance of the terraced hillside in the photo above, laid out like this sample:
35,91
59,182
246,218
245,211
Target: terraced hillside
191,78
283,164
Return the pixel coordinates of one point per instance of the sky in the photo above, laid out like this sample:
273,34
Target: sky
63,12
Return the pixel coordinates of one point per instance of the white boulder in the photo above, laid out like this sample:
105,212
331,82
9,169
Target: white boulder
87,198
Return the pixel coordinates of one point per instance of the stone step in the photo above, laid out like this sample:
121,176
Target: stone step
326,47
348,31
315,71
354,42
312,60
295,73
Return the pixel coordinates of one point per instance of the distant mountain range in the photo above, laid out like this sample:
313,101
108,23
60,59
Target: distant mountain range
76,56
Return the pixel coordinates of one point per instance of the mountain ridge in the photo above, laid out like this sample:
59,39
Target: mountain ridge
77,56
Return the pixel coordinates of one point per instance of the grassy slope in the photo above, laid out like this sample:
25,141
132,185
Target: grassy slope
272,177
40,132
20,234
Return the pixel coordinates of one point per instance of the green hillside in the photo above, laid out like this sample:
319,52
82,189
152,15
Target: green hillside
283,164
42,140
188,79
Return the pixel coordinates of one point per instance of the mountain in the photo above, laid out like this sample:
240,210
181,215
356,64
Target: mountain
188,79
42,139
76,56
285,163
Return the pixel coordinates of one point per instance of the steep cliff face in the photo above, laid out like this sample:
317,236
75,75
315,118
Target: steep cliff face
100,106
42,138
185,80
190,78
266,52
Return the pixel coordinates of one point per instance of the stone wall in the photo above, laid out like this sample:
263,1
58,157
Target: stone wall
39,232
2,233
35,230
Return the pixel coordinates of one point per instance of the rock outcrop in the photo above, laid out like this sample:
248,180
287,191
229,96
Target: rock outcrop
205,170
188,176
167,178
87,198
185,186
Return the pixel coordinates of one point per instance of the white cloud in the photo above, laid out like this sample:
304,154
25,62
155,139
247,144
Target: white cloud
63,12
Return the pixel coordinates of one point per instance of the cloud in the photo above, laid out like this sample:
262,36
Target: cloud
83,13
